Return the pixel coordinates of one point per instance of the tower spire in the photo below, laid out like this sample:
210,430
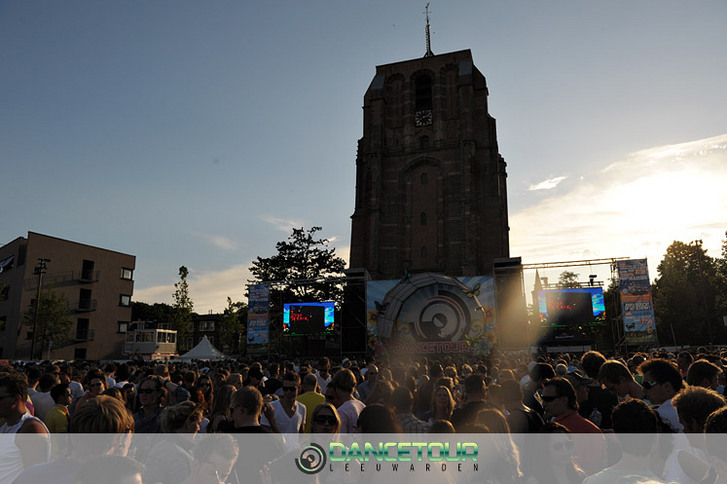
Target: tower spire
429,52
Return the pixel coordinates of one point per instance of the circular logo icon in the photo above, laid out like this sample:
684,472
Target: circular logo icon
312,459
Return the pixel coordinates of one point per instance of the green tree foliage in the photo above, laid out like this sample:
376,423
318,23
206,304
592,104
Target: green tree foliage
182,308
232,326
685,295
159,312
305,269
568,280
54,322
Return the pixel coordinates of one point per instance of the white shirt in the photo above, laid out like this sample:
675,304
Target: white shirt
669,414
349,412
287,425
323,382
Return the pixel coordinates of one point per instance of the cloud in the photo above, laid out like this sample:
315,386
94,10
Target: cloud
208,289
219,241
284,225
548,184
635,207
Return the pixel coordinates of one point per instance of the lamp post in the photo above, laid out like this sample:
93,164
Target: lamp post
40,270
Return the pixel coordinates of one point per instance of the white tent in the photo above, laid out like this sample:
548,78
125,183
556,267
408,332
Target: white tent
203,351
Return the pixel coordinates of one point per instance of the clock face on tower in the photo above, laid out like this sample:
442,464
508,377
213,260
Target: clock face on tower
423,118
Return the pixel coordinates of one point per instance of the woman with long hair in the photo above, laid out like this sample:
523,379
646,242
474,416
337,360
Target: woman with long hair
442,404
325,419
377,419
221,407
208,390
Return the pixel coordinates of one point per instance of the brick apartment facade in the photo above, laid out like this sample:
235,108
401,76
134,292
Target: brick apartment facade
97,283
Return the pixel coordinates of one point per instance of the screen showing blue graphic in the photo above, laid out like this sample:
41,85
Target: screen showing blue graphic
308,318
569,307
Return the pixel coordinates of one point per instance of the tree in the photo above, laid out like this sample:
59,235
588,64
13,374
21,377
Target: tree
232,326
568,280
159,312
684,294
182,308
54,322
303,270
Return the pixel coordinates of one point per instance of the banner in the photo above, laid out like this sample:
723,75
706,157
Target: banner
636,304
257,315
431,313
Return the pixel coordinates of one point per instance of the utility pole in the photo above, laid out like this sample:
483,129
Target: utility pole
39,270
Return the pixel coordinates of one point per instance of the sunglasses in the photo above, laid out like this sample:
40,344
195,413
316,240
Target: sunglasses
146,391
325,420
550,398
648,385
568,444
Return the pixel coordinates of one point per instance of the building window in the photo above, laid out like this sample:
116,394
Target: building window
189,342
423,93
206,325
423,219
124,300
122,326
424,252
127,274
424,179
87,270
424,142
82,331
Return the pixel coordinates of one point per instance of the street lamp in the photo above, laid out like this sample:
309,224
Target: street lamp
40,270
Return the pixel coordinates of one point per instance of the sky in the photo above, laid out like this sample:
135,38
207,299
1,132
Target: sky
200,133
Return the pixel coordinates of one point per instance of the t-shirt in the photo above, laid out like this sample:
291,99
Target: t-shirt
57,419
286,424
349,412
311,400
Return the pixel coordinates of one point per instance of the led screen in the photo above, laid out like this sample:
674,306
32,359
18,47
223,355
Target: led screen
308,318
571,307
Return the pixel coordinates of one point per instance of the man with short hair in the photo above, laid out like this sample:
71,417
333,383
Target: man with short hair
310,398
323,375
289,413
704,374
475,399
19,450
617,379
57,418
403,402
662,380
560,404
343,383
365,388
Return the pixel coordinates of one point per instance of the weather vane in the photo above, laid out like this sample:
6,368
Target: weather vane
429,52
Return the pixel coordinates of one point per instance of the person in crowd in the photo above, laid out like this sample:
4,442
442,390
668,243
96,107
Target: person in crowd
555,463
33,374
152,398
57,419
715,430
539,373
102,426
213,460
702,373
310,397
42,400
129,392
662,380
600,401
442,427
493,420
28,441
254,379
325,419
176,392
475,399
694,404
221,408
95,382
377,419
425,387
684,361
636,425
617,379
365,388
342,386
123,372
324,373
110,469
441,406
403,402
274,383
561,406
289,413
208,390
170,460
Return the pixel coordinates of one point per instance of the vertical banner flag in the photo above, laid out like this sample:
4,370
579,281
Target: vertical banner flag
257,314
636,304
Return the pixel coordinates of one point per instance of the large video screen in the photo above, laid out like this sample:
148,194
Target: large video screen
571,307
308,318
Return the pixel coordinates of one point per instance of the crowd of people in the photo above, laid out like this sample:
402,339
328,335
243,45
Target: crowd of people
587,409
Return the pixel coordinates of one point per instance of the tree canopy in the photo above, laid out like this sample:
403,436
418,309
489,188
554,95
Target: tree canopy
54,322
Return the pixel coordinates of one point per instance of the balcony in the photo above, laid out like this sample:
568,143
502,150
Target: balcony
85,305
84,335
88,276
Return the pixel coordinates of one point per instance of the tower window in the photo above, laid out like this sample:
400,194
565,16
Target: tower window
423,93
424,142
424,178
424,252
423,219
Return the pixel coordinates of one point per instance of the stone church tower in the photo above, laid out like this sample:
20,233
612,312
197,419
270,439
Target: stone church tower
431,190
